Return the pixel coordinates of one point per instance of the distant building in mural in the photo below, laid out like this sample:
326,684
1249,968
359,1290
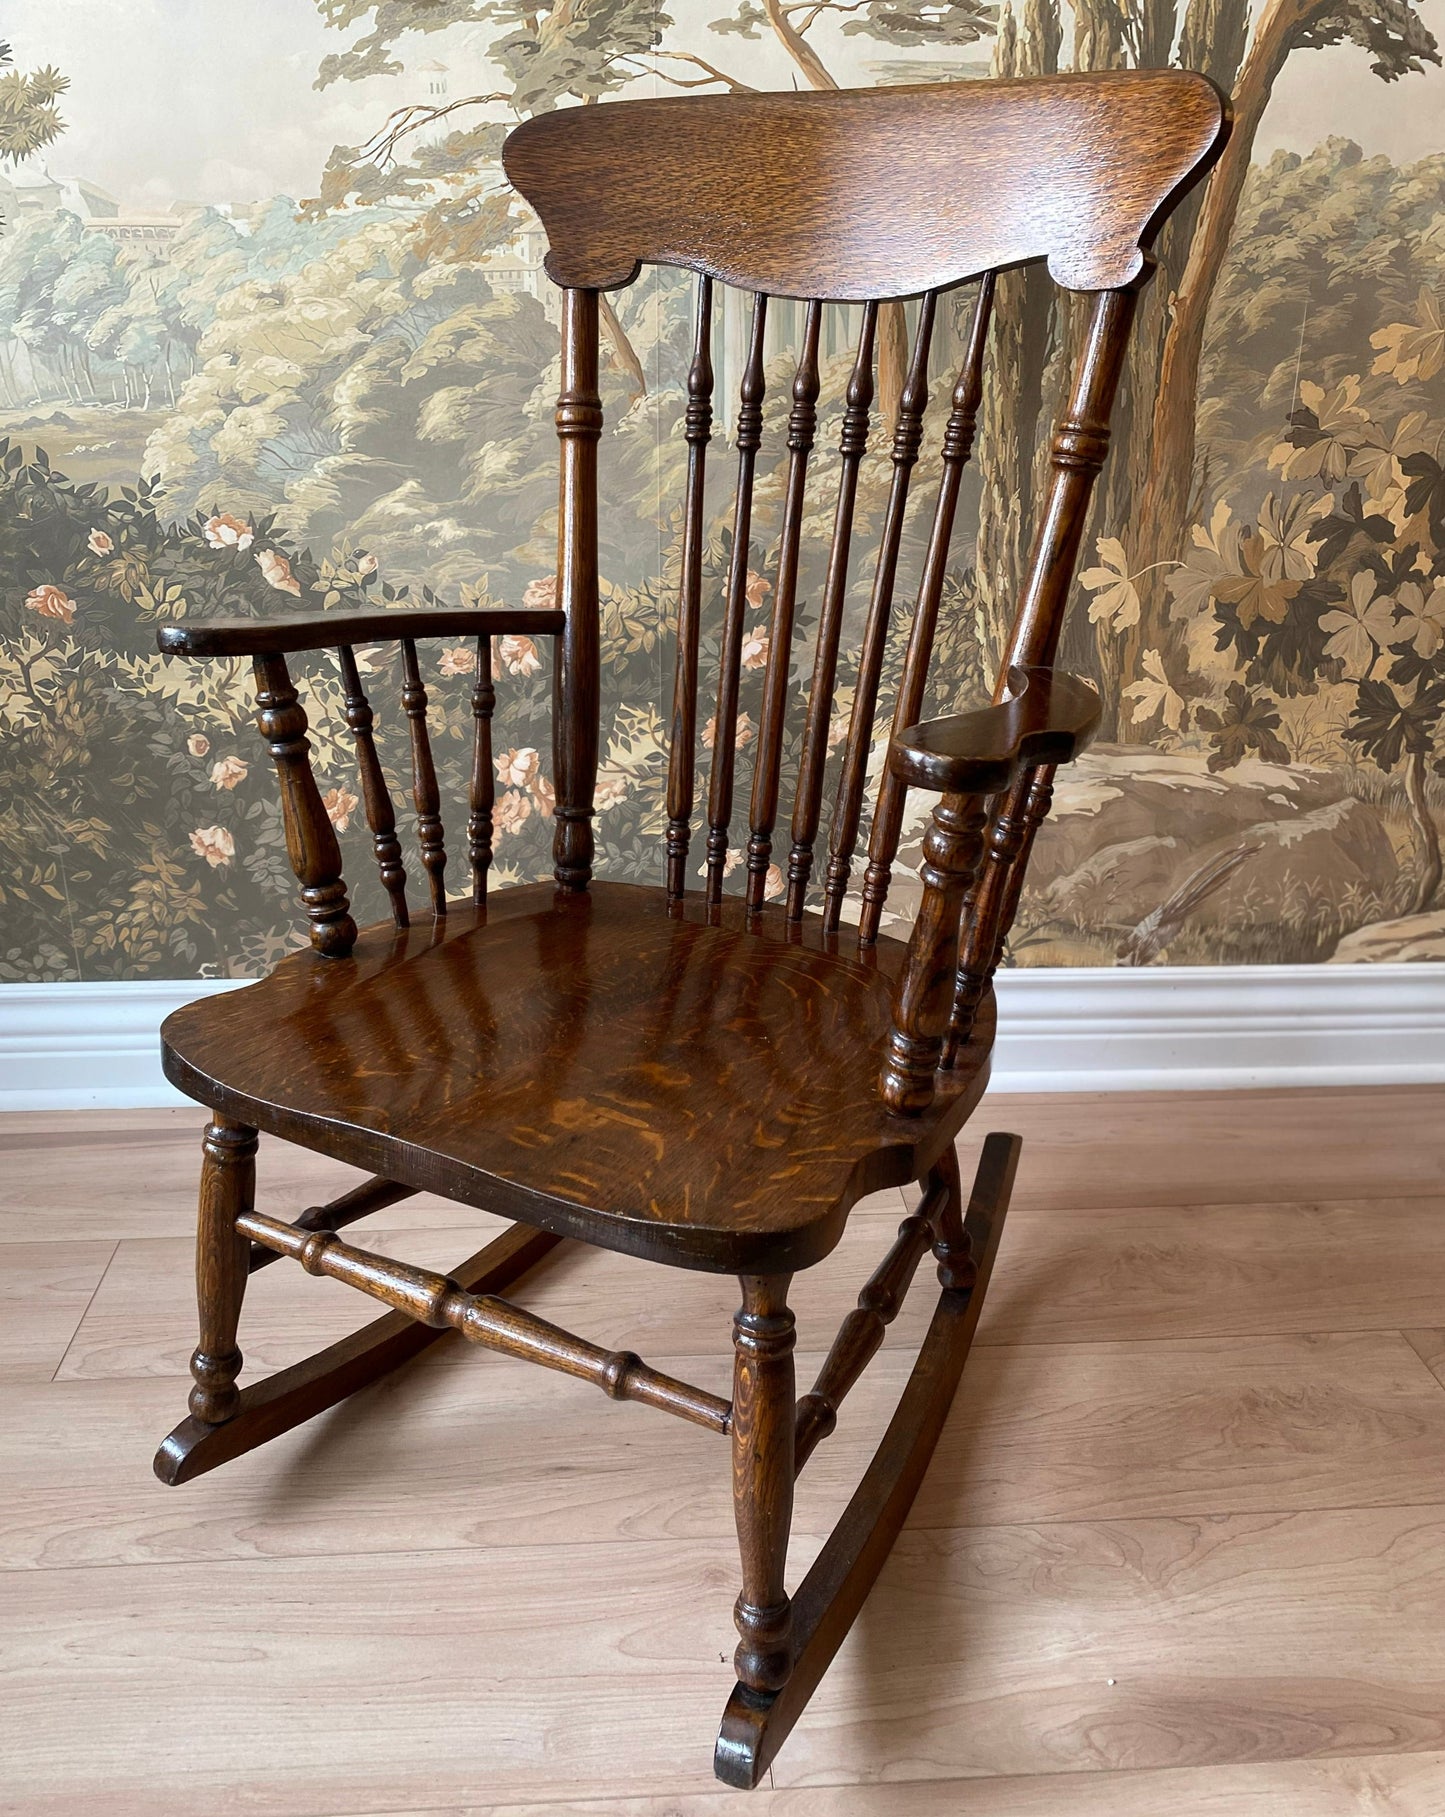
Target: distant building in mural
219,394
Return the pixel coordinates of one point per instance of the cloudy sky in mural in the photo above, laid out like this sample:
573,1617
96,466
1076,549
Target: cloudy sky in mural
243,120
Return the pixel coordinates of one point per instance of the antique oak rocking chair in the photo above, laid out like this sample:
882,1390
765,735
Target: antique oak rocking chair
702,1079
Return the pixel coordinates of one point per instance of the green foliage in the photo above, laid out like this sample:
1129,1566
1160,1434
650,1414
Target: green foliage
29,117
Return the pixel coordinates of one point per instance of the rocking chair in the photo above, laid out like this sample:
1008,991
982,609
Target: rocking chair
693,1077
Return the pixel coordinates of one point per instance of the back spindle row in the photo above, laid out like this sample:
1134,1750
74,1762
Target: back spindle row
907,444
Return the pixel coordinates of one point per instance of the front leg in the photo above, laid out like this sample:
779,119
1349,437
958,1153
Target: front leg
762,1440
223,1259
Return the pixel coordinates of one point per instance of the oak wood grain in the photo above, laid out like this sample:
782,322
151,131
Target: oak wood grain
694,1087
1185,1148
869,192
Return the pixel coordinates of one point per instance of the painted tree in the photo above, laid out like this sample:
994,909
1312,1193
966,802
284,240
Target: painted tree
550,55
29,117
1398,44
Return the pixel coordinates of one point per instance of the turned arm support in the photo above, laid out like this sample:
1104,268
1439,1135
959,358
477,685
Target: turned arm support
1047,717
328,630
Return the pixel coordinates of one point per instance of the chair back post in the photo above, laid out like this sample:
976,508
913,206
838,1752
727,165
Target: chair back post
576,688
1080,444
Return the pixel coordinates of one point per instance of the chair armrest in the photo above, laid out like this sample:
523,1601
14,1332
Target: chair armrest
1048,718
329,630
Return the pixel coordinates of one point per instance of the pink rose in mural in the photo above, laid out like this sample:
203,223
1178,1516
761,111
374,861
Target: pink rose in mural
226,772
214,844
742,733
226,532
757,589
517,768
512,810
544,797
458,661
198,744
277,570
755,649
51,602
367,564
99,543
340,805
519,655
541,595
611,788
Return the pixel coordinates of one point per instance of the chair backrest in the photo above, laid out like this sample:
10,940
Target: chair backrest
853,197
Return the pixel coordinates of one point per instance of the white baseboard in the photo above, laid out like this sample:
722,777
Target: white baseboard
95,1046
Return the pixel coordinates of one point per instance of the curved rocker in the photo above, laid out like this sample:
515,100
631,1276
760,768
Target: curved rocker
828,1599
292,1396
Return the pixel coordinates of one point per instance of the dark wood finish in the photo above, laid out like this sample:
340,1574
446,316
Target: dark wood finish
860,1336
748,437
992,903
483,1319
923,1000
852,446
1076,454
907,440
763,1416
958,436
680,1076
690,1085
576,691
327,631
361,1202
424,791
802,427
952,1245
1047,718
228,1188
827,1601
681,769
310,840
942,182
292,1396
482,795
371,1196
380,816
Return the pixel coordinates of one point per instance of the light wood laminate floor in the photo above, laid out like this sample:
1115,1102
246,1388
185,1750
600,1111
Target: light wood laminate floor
1181,1552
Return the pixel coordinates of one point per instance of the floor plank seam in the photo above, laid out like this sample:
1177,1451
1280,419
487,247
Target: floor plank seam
70,1342
722,1542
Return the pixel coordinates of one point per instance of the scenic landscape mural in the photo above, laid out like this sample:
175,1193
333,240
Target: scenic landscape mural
275,333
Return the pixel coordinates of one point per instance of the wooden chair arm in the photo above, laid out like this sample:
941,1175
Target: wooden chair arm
329,630
1048,718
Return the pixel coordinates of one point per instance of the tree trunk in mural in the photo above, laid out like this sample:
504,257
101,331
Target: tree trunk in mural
1165,503
1427,834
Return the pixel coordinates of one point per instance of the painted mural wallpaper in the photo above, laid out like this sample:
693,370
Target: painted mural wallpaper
273,331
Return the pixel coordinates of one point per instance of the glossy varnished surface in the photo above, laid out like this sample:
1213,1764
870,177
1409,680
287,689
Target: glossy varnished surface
869,192
592,1064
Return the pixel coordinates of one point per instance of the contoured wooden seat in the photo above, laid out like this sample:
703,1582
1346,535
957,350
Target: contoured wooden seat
599,1065
695,1078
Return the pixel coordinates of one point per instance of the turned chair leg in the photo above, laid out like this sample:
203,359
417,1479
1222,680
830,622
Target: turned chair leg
228,1188
952,1248
762,1442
